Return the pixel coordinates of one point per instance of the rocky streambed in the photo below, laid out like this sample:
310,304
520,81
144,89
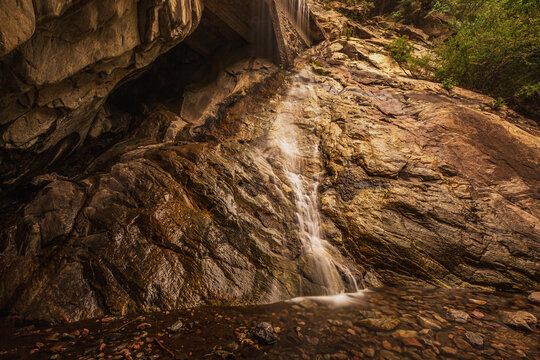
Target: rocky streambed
385,323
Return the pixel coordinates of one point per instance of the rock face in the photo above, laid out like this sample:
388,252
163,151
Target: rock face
418,186
427,186
61,58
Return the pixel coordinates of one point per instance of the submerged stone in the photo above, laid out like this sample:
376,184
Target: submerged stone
265,334
176,326
381,324
457,316
519,319
475,339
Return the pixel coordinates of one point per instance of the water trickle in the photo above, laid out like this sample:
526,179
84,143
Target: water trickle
265,13
300,153
298,12
263,36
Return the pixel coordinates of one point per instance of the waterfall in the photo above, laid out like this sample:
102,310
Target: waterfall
263,36
300,152
298,14
267,15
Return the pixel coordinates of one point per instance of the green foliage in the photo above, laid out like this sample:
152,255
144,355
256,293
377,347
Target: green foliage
397,15
497,103
349,32
448,83
317,68
495,49
402,51
529,91
320,71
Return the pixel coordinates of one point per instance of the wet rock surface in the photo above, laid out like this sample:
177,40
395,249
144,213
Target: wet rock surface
61,59
318,328
419,187
425,185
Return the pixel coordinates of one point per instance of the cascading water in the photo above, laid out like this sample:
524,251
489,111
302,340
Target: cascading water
321,264
300,154
298,13
268,16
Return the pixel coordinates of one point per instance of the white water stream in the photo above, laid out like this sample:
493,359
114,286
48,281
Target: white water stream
298,11
293,134
263,32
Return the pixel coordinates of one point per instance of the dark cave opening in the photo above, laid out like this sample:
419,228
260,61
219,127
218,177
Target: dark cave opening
196,61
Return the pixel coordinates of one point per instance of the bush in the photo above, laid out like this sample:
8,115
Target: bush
497,103
448,84
402,51
495,49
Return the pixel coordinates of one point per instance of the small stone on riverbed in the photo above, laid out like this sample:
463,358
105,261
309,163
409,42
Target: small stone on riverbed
176,326
264,333
457,316
428,323
475,339
382,324
534,297
519,319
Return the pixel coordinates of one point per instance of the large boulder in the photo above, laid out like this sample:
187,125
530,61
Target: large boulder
428,187
60,59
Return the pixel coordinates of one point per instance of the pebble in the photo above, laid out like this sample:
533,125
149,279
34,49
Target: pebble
264,333
462,344
449,350
519,319
428,323
53,337
521,353
534,297
457,316
428,354
381,324
370,352
428,342
478,302
176,326
336,356
389,355
475,339
477,314
411,341
404,333
66,336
